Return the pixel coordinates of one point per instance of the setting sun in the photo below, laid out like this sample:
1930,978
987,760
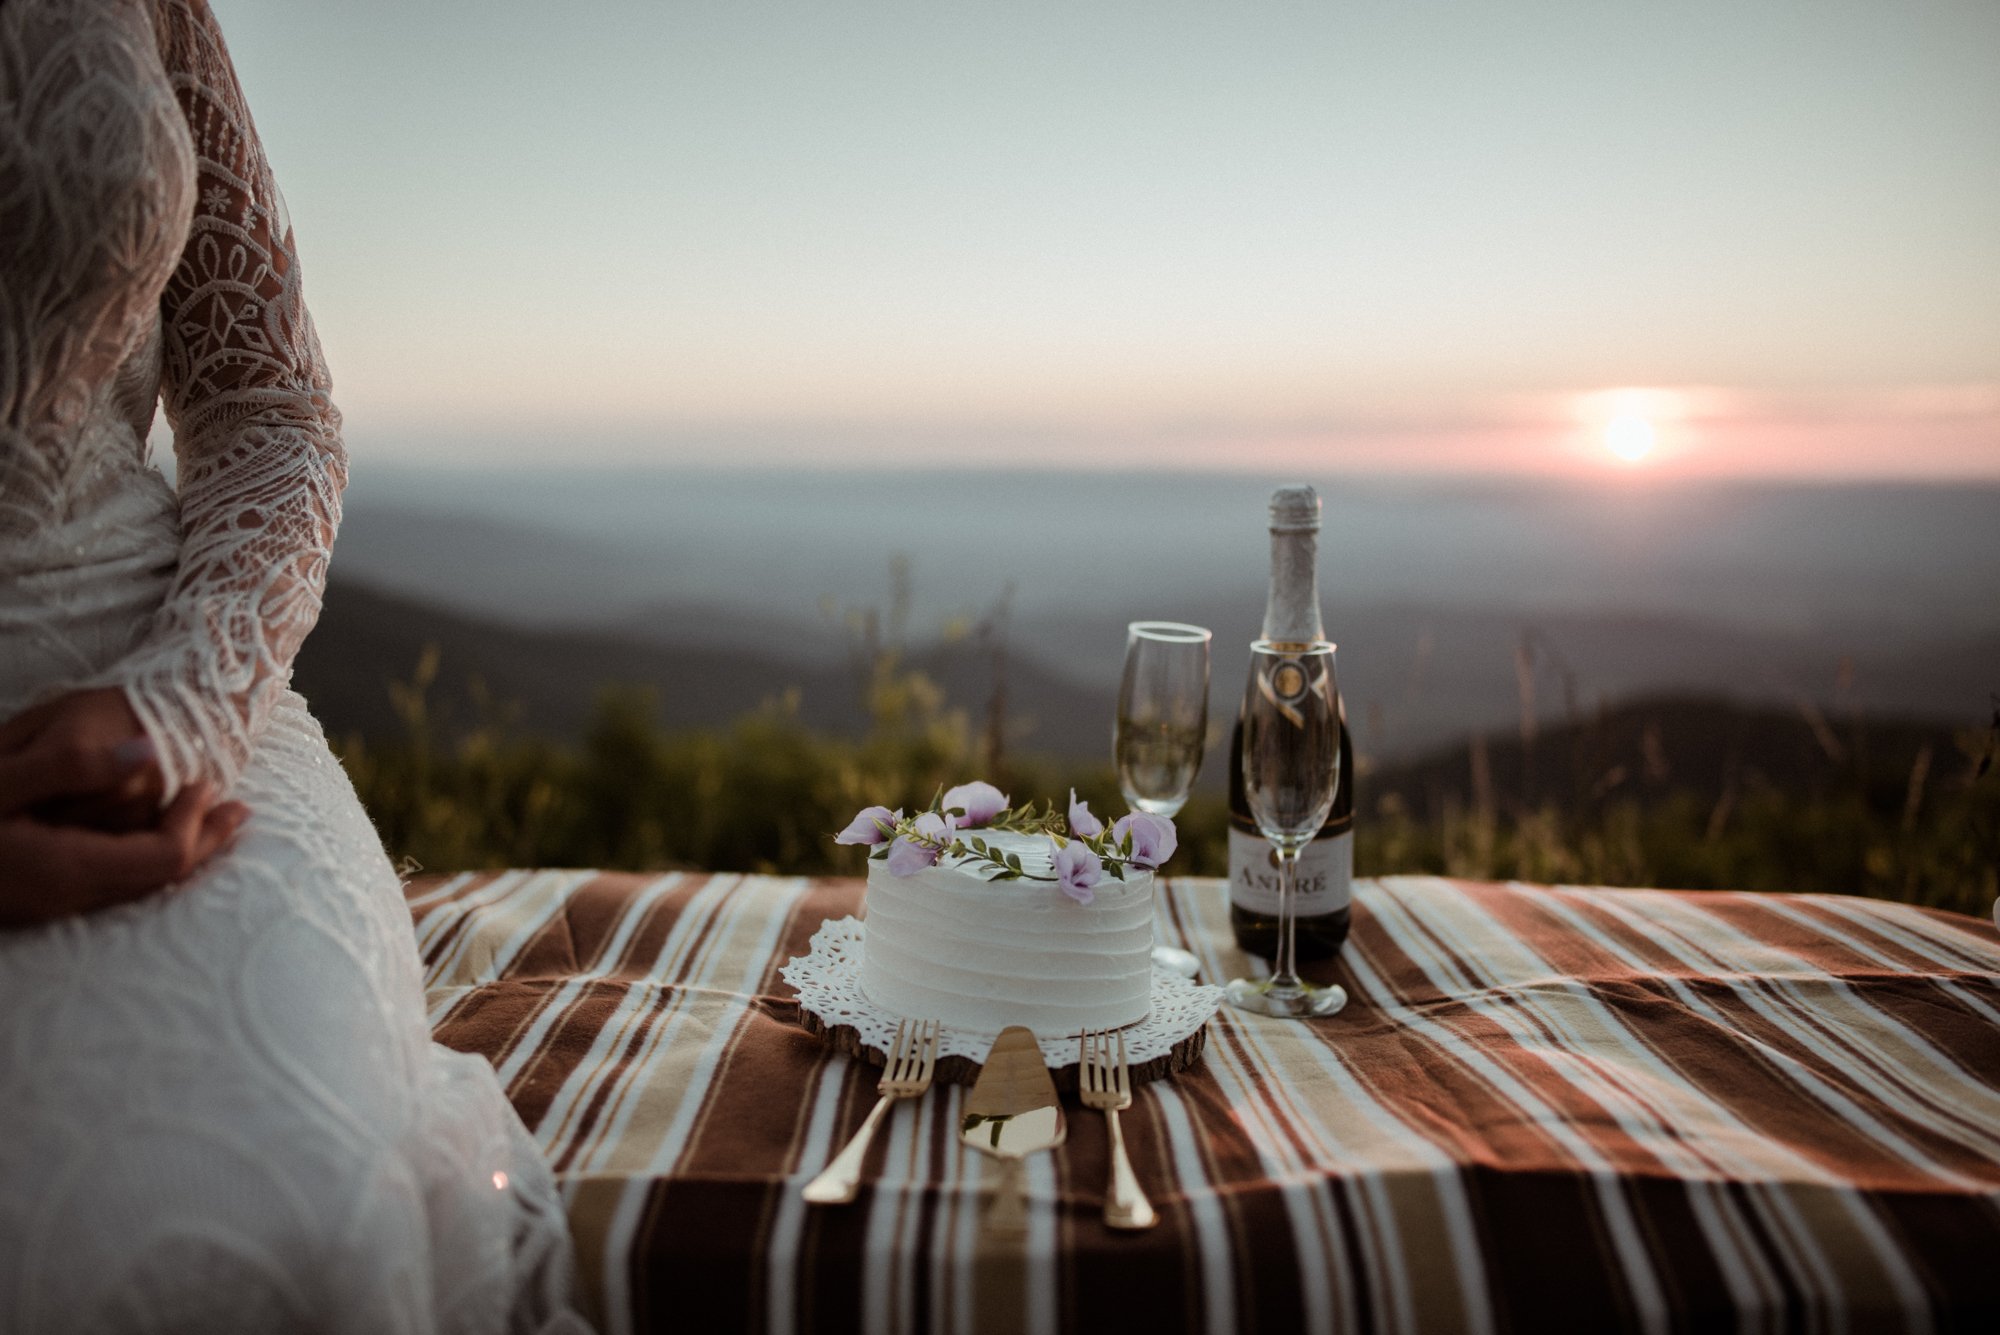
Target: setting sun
1630,437
1633,425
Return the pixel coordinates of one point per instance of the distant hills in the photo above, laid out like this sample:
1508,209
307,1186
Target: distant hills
1713,750
568,544
1457,606
1452,676
1417,677
547,680
1519,645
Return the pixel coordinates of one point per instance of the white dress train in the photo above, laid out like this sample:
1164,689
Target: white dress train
220,1107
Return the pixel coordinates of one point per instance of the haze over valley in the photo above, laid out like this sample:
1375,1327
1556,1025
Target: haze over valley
1457,604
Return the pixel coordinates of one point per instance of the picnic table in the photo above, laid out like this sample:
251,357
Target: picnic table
1544,1108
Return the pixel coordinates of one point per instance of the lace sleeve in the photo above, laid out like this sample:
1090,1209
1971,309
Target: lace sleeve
261,465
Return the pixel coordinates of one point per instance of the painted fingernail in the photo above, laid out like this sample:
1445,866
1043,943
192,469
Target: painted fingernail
133,752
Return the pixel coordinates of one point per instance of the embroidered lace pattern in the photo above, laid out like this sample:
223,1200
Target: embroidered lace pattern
828,981
220,1105
148,233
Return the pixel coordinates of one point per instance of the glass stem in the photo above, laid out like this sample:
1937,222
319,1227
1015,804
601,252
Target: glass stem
1285,977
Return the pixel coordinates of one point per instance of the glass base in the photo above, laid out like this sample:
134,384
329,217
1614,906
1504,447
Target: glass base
1175,960
1301,1002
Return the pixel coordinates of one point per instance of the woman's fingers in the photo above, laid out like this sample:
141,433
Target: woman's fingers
82,758
50,871
218,829
69,768
180,828
195,829
112,868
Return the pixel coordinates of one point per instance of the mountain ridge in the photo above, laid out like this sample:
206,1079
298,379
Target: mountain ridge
546,680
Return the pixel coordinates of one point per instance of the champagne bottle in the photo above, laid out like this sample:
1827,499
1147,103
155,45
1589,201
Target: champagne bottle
1326,865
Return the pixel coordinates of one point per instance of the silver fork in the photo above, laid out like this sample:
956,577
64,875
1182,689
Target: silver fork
906,1075
1108,1086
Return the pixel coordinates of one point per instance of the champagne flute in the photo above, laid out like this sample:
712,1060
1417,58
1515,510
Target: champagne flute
1291,771
1161,729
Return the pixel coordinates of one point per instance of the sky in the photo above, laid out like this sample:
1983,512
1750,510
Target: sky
1750,237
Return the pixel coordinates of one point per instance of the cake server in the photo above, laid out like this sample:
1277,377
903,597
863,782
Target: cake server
1107,1085
1012,1112
907,1074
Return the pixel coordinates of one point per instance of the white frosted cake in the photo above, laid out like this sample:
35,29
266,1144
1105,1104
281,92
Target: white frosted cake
981,954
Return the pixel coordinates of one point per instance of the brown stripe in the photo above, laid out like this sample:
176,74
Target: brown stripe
1377,1182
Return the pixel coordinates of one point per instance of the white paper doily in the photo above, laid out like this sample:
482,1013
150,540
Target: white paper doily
829,985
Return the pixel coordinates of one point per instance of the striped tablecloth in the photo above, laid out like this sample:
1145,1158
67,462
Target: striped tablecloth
1543,1109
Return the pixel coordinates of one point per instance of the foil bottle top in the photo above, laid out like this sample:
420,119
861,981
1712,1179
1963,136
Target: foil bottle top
1295,510
1292,614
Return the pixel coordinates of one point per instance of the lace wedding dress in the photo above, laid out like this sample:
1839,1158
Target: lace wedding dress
220,1108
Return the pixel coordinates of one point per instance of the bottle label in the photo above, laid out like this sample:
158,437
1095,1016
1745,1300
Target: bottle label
1326,874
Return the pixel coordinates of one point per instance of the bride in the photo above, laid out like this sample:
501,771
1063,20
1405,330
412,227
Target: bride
220,1108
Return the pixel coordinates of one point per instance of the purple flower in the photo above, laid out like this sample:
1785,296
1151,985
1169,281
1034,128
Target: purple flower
929,836
1081,823
870,827
1078,870
1153,838
980,803
907,857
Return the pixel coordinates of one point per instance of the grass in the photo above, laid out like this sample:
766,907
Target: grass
766,793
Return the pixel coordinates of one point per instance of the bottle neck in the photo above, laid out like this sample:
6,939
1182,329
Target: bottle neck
1291,616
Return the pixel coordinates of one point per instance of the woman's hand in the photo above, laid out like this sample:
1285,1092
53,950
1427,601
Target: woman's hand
84,755
50,871
97,766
